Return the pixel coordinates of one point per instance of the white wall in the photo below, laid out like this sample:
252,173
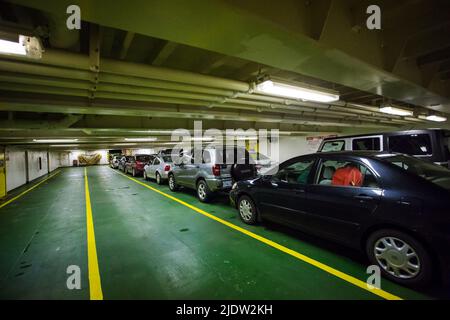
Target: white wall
16,173
16,165
34,170
64,159
54,160
290,147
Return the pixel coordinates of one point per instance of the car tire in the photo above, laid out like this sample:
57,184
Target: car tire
401,257
247,210
203,192
145,175
133,172
172,183
158,178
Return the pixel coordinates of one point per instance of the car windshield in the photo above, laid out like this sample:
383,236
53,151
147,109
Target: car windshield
433,173
167,159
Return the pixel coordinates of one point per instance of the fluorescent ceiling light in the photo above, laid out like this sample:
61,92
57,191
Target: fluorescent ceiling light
24,46
141,139
396,111
54,140
11,47
201,139
291,91
64,145
247,138
436,118
124,144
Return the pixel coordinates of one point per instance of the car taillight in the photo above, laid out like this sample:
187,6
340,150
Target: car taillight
216,170
167,167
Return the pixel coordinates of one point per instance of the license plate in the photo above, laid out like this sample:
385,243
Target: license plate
227,184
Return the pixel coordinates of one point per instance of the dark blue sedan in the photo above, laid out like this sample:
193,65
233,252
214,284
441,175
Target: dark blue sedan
394,207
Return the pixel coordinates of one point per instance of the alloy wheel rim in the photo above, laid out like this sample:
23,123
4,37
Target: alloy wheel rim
246,210
201,190
158,178
397,257
171,182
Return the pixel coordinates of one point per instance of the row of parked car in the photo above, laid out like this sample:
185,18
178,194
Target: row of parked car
391,206
218,169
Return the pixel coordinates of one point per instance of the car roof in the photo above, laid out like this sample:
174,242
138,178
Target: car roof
413,131
360,153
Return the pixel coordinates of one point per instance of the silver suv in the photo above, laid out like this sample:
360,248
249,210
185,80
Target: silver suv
210,175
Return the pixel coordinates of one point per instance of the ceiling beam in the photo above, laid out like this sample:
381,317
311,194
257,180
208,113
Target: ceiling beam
126,44
163,52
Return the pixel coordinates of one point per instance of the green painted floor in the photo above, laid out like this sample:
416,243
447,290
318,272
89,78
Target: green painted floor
151,247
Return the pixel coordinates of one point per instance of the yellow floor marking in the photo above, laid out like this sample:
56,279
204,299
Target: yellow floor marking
28,190
95,286
317,264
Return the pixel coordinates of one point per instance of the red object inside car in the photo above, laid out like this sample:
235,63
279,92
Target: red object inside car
347,176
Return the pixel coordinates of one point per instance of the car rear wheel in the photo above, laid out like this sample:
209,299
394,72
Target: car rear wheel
172,184
247,210
133,172
158,178
203,192
145,175
401,258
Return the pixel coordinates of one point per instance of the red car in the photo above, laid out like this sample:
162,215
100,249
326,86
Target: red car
135,164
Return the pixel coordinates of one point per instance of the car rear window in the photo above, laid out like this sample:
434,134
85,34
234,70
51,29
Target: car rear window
412,144
329,146
143,158
231,155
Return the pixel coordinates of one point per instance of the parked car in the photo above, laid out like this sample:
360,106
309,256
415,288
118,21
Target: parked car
392,206
213,174
158,168
430,145
135,164
114,163
122,162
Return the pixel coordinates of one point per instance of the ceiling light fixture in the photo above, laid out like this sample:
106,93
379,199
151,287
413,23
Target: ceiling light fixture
54,140
385,108
297,92
64,145
436,118
201,139
124,144
25,46
141,139
10,47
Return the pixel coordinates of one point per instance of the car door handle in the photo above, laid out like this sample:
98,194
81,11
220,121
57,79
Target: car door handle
404,203
300,191
273,184
363,197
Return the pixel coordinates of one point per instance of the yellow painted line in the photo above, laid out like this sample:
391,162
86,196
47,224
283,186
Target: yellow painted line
95,285
341,275
28,190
